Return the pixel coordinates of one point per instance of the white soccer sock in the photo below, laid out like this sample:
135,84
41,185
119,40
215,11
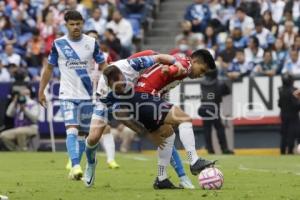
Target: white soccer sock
164,157
108,144
186,134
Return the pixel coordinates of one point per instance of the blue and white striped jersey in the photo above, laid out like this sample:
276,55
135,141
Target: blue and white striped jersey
75,60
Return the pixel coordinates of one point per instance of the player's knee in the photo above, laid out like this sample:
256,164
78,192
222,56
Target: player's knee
94,135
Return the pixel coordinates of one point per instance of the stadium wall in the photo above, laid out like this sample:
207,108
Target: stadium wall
252,107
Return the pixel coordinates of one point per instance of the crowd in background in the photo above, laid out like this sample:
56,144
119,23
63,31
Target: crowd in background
246,37
28,28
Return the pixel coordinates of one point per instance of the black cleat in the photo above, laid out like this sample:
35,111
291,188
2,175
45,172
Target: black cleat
165,184
200,165
228,152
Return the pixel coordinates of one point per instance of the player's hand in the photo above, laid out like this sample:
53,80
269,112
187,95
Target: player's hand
42,100
181,69
157,139
165,69
296,93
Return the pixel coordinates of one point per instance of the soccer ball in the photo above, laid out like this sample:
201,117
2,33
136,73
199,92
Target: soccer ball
211,179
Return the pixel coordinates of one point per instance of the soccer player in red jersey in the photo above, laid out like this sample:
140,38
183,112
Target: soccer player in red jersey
158,115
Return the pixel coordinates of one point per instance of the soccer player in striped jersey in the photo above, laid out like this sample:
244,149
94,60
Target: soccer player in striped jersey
73,54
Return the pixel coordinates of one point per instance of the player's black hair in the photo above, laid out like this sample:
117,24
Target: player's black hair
203,56
73,15
112,73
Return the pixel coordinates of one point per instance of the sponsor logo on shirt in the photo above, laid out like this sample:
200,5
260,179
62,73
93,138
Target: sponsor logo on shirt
76,64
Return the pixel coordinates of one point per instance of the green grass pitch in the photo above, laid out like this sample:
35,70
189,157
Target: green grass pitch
39,176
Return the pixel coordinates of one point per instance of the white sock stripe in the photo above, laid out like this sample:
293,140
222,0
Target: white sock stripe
185,125
80,137
72,130
89,146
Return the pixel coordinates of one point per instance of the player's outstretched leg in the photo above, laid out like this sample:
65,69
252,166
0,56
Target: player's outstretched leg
108,144
176,163
73,152
186,133
96,130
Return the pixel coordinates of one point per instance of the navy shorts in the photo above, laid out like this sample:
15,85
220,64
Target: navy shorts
148,109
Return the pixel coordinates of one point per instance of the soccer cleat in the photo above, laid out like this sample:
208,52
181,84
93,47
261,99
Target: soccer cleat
76,173
69,165
113,165
186,183
200,165
89,174
228,152
165,184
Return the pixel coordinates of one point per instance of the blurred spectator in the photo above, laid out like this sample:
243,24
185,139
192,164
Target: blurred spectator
112,41
25,112
34,56
107,9
123,30
199,15
253,52
8,34
48,30
264,36
243,21
268,66
182,48
29,12
251,7
275,6
227,11
210,38
10,56
239,41
135,9
288,34
73,5
96,22
213,91
297,42
194,40
239,66
281,54
269,23
215,8
226,56
295,9
5,9
292,65
289,113
4,74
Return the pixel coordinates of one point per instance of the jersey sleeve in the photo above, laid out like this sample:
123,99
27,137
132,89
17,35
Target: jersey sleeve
53,56
143,53
141,63
98,55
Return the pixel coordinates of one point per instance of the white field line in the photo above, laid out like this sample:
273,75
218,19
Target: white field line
243,168
139,158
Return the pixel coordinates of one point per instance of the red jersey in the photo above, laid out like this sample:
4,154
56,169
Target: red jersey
154,81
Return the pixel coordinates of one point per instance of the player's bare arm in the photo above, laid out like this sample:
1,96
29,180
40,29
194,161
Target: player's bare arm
45,78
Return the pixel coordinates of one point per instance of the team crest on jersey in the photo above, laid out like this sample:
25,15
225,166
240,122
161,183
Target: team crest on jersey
87,47
68,52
